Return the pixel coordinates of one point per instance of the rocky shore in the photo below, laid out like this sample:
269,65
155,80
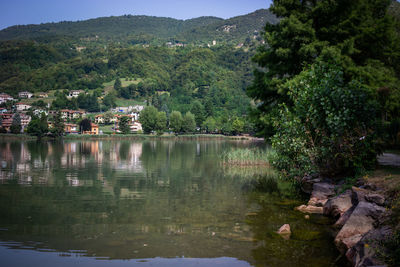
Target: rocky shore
360,216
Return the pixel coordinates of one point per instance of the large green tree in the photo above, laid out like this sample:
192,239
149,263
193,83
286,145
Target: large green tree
188,123
359,35
148,119
124,125
175,121
38,126
58,125
161,123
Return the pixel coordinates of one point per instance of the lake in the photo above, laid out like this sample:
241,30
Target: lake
154,202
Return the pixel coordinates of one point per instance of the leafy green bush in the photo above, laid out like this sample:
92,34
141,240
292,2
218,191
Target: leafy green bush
330,128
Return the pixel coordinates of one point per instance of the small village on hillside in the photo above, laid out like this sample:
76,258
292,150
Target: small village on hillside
19,112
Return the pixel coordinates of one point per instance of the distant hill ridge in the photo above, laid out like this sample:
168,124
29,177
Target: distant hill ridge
150,28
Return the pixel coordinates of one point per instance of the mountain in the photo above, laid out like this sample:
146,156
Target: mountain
150,29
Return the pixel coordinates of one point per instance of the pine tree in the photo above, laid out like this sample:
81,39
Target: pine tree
16,124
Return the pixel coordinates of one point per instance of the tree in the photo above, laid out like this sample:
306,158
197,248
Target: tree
148,119
188,123
175,121
237,126
117,85
108,116
209,125
38,126
331,128
85,125
58,125
358,35
198,111
161,123
109,101
16,124
124,124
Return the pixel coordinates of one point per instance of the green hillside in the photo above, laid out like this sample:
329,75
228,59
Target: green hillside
145,29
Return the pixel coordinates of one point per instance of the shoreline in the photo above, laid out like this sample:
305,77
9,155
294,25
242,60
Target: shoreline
362,213
134,137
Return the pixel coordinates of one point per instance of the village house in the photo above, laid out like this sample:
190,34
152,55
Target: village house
67,114
25,94
6,121
43,95
21,106
71,128
136,127
25,120
93,131
38,112
99,119
74,93
115,119
5,97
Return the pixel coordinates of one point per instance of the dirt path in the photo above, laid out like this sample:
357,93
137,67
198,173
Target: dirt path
389,159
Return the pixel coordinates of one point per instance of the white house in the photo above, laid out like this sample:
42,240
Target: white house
5,97
22,106
25,120
25,94
136,127
74,93
38,112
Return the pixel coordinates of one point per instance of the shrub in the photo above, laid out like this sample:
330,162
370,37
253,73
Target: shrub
330,128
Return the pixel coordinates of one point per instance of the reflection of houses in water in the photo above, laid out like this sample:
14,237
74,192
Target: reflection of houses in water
126,156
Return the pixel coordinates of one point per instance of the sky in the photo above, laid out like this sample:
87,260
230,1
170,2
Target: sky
21,12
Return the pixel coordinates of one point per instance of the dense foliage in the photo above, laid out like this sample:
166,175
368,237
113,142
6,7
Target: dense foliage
38,126
360,35
330,128
325,116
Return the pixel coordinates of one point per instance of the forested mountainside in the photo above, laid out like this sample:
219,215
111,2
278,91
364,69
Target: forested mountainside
146,29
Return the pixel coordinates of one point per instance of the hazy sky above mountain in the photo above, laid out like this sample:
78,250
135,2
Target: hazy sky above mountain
13,12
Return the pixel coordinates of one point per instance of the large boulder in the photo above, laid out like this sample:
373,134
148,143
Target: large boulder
338,205
360,222
343,219
308,181
375,198
364,252
320,194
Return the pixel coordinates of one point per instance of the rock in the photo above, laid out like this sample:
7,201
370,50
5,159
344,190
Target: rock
310,209
363,253
307,183
375,198
358,195
284,231
323,190
360,222
320,194
338,205
307,217
343,219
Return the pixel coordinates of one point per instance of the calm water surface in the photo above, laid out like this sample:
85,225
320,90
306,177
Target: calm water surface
150,203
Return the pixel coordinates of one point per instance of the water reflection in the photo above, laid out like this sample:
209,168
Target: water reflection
141,200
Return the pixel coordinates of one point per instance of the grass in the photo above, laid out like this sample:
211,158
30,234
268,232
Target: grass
246,157
107,129
122,102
